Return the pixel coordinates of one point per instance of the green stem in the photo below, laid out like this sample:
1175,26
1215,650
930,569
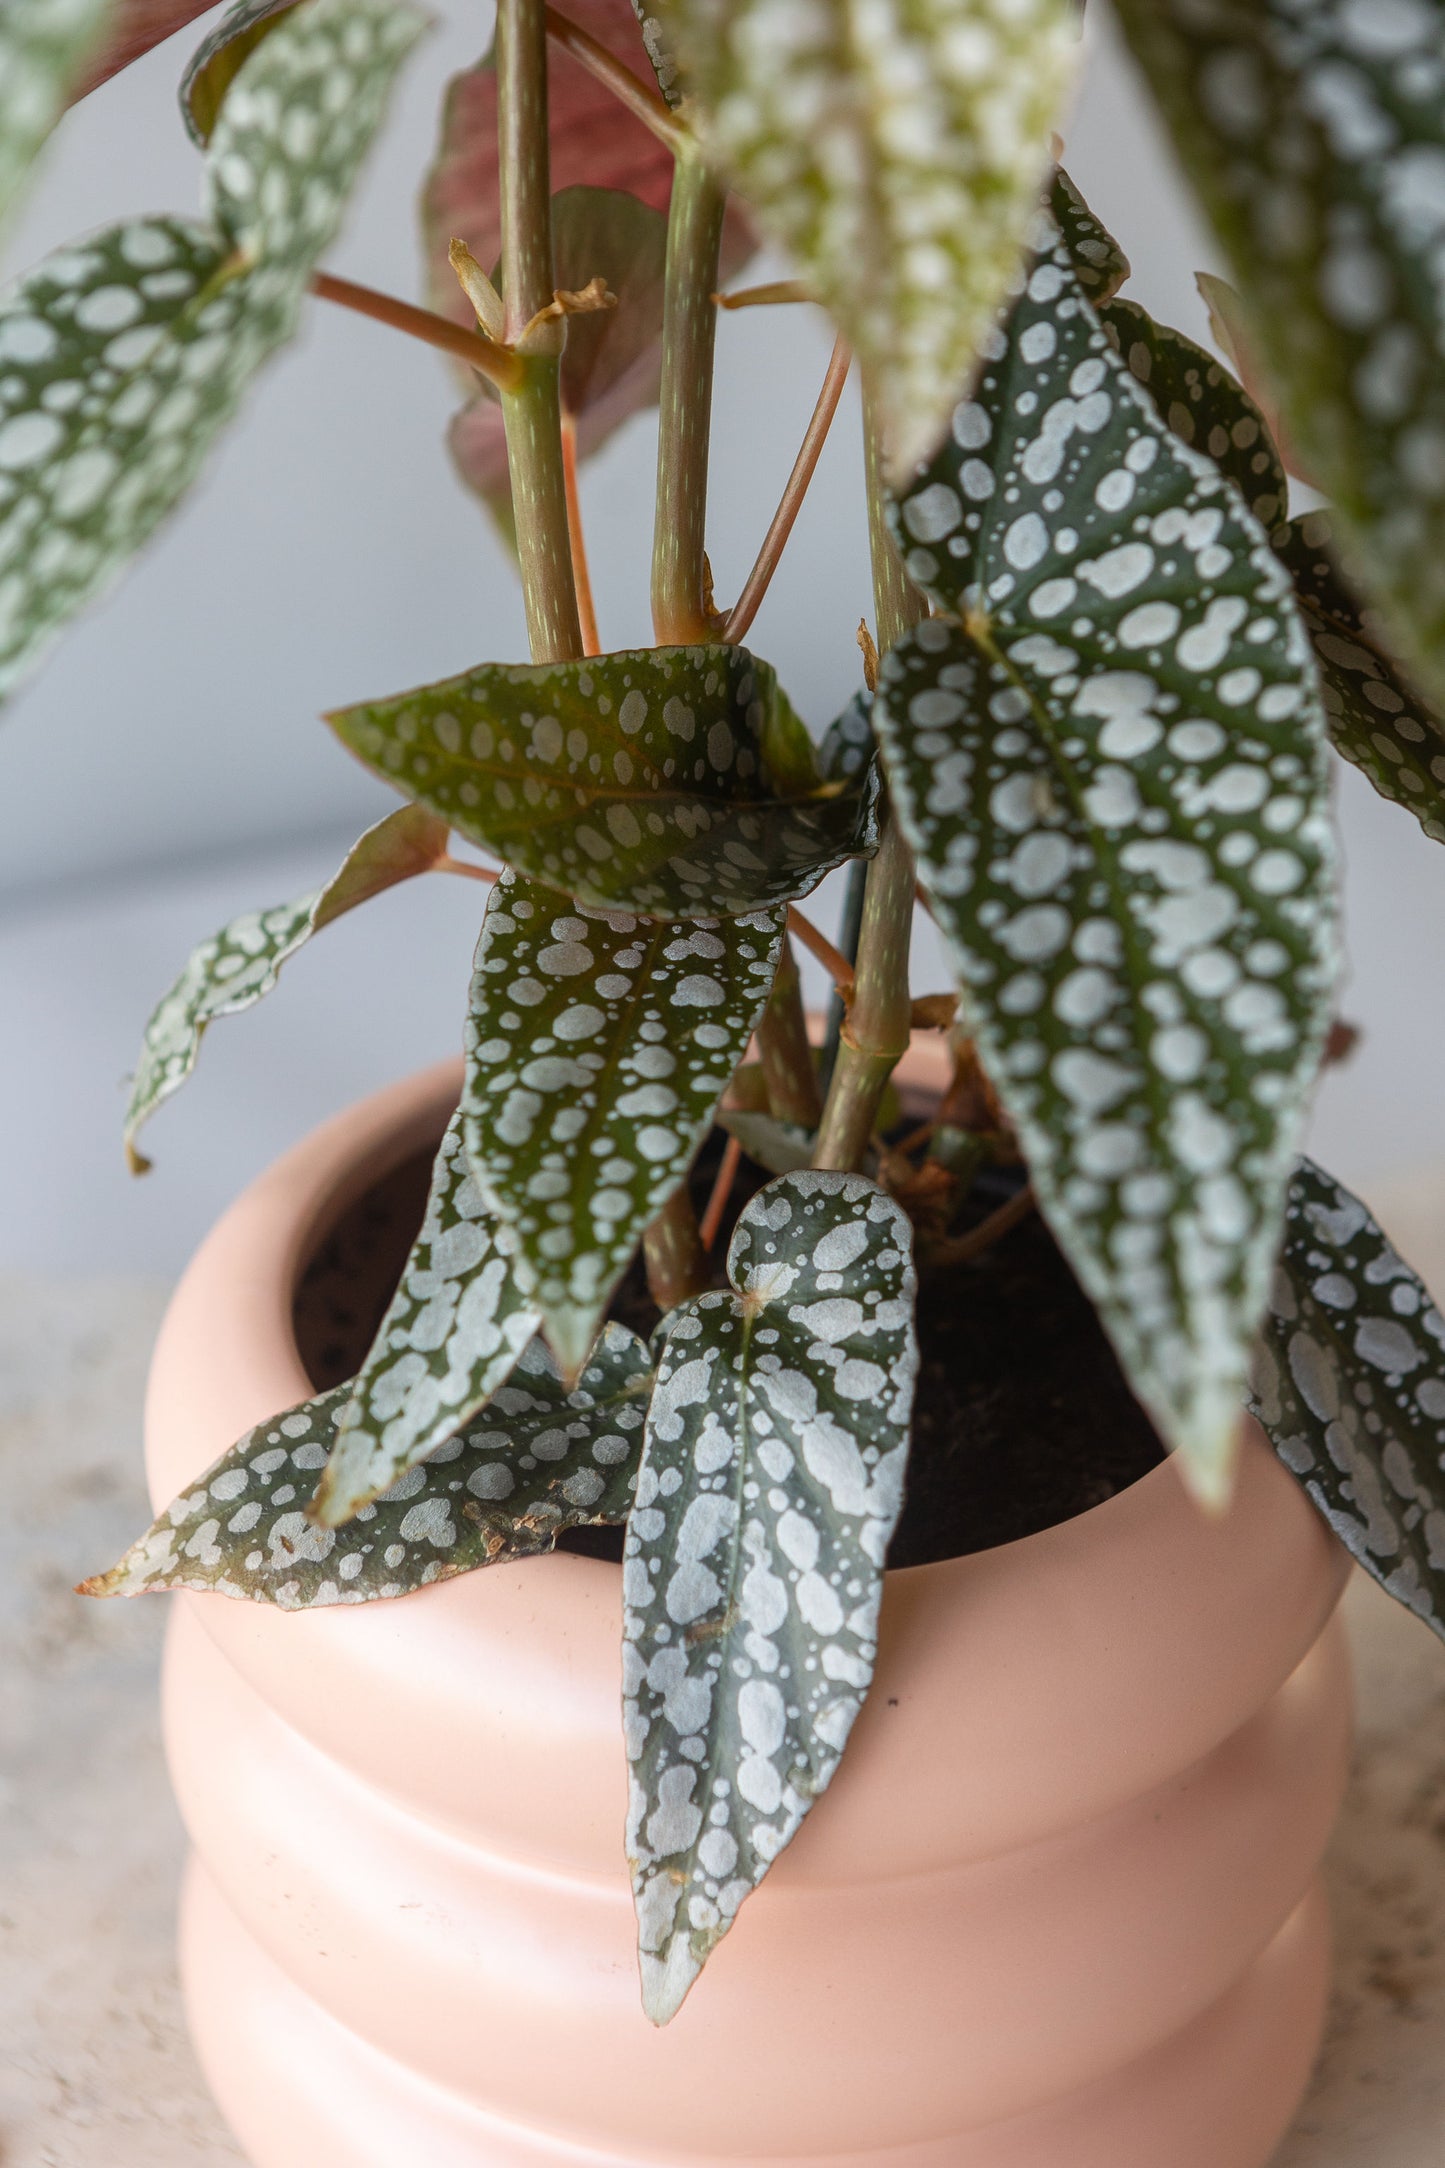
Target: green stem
532,411
522,149
533,419
694,242
784,1049
876,1032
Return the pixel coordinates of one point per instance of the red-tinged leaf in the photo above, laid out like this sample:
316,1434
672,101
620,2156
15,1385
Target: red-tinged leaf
135,26
612,362
595,141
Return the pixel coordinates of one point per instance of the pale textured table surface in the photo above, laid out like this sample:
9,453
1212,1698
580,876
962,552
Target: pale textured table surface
95,2071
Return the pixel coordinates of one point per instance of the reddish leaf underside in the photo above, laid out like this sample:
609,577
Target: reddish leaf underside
135,26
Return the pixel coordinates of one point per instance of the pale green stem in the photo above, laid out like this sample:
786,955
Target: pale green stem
875,1033
533,419
784,1050
689,327
532,412
676,1262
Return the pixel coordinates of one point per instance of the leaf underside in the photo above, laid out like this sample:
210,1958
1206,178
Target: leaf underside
672,781
453,1332
771,1480
125,353
1315,137
132,28
239,965
1112,773
897,154
1349,1384
217,61
535,1462
598,1047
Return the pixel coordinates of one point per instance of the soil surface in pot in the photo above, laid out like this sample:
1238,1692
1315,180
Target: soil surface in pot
1022,1418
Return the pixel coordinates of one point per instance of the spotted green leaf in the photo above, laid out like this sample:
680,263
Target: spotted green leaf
1100,265
771,1479
43,46
671,780
897,154
847,748
1316,137
453,1333
535,1462
239,965
598,1047
1203,404
1349,1383
125,353
659,52
218,59
1379,720
1112,771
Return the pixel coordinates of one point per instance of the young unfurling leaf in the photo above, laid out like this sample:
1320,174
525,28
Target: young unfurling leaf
771,1480
240,964
598,1047
536,1461
1111,768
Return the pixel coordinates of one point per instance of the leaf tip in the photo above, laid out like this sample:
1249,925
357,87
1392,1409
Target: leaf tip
667,1980
135,1160
1208,1457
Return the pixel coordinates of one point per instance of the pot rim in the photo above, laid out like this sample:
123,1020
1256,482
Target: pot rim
399,1119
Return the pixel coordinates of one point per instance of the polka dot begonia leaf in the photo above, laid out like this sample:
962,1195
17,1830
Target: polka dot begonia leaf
1100,265
240,965
771,1480
847,748
1203,406
598,1047
1112,769
674,781
43,47
1349,1383
535,1462
217,59
1379,719
659,52
122,356
453,1332
1316,137
896,152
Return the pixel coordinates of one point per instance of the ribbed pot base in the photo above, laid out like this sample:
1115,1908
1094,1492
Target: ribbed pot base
301,2091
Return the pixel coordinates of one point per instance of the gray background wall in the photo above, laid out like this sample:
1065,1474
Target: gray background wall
167,767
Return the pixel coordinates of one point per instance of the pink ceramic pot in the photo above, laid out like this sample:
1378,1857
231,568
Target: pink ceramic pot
1059,1910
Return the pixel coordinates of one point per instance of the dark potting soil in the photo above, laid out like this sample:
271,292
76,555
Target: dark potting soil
1022,1418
